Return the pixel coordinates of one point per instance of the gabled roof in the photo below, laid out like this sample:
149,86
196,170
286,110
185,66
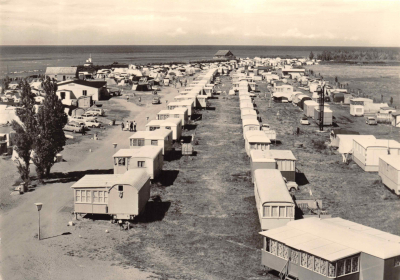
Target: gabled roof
224,52
61,70
93,84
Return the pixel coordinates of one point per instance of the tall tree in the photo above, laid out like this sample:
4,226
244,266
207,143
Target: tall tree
311,56
50,138
25,128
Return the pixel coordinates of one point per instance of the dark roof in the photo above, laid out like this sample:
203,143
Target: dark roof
224,52
94,84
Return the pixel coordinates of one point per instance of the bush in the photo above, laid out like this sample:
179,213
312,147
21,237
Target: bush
319,145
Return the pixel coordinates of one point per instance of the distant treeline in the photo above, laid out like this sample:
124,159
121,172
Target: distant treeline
367,55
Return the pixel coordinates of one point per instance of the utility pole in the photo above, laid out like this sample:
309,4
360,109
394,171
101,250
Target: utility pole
321,102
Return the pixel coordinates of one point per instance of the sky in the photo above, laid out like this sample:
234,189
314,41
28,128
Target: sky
200,22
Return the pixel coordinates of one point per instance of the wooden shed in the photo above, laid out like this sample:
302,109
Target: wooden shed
256,140
171,123
147,157
274,204
366,152
160,138
250,124
389,170
123,196
333,248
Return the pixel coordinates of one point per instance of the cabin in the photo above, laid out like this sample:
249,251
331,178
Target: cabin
159,137
357,106
328,115
250,125
309,106
96,89
366,152
389,170
122,196
256,140
62,73
188,104
224,55
333,248
147,157
173,124
274,204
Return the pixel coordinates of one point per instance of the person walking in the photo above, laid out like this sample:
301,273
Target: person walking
127,125
122,125
131,126
140,99
134,126
83,131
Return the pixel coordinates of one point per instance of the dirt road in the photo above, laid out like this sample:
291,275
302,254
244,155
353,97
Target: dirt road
22,255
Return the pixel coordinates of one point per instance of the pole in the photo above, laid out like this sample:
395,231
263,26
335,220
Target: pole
39,226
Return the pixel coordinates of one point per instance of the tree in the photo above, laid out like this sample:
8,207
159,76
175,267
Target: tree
25,128
311,56
50,138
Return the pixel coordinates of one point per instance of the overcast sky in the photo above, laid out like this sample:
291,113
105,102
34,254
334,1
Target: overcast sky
200,22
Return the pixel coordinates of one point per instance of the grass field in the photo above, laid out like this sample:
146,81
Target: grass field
373,80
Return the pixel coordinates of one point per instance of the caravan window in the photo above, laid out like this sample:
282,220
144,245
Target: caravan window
282,211
141,164
275,211
140,142
154,142
84,92
120,188
121,161
266,212
78,196
289,212
95,197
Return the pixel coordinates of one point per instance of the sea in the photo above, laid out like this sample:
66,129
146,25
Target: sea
30,60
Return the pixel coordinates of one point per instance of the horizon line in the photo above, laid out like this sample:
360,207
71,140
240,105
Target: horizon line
97,45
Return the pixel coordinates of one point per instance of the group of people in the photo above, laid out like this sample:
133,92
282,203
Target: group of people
130,125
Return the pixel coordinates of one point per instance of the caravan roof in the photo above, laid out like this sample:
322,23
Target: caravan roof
271,186
133,177
335,238
250,122
367,142
256,136
155,134
259,156
147,151
346,142
245,112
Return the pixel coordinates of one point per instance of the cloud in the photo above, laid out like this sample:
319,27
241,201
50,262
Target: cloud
177,32
295,33
223,31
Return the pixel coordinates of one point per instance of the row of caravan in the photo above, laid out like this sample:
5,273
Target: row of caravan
124,194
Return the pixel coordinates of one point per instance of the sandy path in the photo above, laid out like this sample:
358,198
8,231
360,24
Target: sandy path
24,257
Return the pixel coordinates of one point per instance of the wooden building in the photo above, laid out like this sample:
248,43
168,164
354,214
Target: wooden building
123,196
96,89
224,55
334,248
149,158
62,73
159,137
274,204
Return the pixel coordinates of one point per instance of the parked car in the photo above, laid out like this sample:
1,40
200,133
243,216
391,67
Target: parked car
96,111
79,119
371,121
73,126
304,121
92,123
156,100
88,115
